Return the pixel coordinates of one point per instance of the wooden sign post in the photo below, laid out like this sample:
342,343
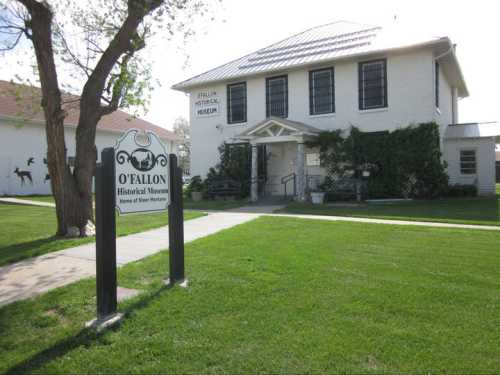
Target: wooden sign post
105,242
135,176
176,225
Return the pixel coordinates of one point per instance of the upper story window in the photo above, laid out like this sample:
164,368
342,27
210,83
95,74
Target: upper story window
436,83
321,91
277,96
468,162
372,84
237,103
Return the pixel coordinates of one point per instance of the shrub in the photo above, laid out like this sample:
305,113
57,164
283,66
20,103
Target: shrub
196,184
461,190
235,164
405,162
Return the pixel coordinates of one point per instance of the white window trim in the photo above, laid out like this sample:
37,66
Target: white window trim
373,110
460,161
368,63
228,125
285,97
231,86
330,114
331,111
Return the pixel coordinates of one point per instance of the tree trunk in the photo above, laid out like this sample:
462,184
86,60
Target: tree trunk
72,190
72,195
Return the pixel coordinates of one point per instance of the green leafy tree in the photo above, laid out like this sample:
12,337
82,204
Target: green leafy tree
95,49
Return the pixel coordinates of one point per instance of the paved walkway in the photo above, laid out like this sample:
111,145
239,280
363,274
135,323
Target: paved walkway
34,276
27,202
391,222
257,209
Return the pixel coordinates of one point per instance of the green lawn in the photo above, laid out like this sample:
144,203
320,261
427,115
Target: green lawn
28,231
482,211
282,296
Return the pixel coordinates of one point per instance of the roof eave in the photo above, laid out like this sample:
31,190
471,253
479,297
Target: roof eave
463,91
39,122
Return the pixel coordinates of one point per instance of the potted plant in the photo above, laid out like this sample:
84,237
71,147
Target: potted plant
318,195
195,189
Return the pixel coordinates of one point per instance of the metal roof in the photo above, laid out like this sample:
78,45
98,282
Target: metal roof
473,130
320,44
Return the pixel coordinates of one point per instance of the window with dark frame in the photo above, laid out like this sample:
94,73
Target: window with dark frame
468,162
237,103
436,83
372,84
277,96
321,91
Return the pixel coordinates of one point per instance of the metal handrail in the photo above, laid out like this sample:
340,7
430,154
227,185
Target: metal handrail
286,179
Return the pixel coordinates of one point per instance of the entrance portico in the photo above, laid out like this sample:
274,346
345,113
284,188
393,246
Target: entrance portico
276,132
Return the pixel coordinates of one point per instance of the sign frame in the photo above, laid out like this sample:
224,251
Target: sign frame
123,156
106,209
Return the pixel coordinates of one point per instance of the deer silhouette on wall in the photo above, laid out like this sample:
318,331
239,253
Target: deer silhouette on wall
22,175
47,175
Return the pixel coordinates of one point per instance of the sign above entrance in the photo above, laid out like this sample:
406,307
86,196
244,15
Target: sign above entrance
141,173
207,104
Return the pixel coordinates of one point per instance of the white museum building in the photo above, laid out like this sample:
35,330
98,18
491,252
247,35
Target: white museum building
23,143
330,77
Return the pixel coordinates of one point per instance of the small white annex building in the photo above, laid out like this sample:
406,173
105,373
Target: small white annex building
23,144
330,77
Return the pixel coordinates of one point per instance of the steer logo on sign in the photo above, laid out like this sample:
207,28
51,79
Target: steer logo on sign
141,159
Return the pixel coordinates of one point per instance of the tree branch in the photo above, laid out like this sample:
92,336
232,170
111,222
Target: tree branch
127,41
13,44
86,70
118,87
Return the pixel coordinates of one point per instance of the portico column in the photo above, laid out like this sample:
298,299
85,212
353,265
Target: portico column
254,183
301,173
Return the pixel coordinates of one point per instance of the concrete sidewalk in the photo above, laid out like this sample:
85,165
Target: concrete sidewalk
27,202
34,276
433,224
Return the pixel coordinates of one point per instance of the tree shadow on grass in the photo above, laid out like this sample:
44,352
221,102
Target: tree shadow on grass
84,338
20,251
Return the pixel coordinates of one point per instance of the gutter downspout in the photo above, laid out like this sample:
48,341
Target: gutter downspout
454,94
441,132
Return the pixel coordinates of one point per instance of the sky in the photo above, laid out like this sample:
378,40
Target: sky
244,26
